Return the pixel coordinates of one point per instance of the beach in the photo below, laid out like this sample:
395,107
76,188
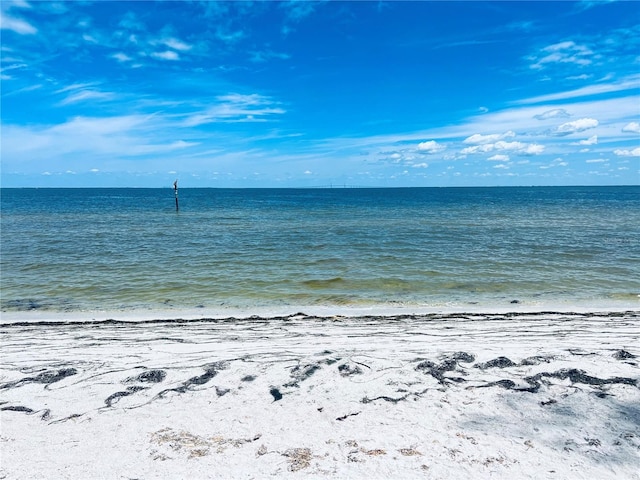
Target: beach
320,240
519,394
320,333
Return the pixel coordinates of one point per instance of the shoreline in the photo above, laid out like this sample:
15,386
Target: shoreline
187,314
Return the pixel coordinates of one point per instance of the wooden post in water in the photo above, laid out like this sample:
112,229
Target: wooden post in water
175,189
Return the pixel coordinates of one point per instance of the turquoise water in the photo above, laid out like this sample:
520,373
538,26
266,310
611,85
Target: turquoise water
128,249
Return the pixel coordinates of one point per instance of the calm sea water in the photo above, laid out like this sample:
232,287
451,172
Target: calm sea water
128,249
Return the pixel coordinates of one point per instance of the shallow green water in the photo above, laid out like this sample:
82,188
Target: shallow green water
106,249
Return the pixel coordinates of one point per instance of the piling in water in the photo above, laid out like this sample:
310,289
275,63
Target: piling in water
175,189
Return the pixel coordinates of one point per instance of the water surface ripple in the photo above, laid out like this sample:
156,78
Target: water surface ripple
128,249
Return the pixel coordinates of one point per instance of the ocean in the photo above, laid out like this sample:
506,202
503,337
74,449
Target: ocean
110,249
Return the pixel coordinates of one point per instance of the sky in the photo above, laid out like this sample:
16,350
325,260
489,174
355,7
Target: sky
313,94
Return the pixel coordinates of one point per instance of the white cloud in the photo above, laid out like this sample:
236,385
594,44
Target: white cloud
628,153
121,57
596,160
18,4
575,126
592,140
477,149
563,52
84,95
520,119
229,37
166,55
17,25
296,11
631,82
9,22
420,165
633,127
479,139
430,147
109,137
176,44
30,88
88,38
178,144
501,165
555,113
251,99
518,148
530,149
75,86
499,158
236,108
260,56
130,22
584,76
558,162
79,92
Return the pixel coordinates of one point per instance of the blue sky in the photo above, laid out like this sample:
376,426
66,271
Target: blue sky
293,94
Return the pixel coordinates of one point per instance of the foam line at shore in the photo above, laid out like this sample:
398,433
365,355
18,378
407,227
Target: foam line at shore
141,315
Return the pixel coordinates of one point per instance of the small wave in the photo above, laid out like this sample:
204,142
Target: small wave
323,283
31,304
625,296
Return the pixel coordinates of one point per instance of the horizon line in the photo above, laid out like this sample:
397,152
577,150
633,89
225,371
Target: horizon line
336,187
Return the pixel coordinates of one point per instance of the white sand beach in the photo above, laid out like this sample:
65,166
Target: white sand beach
439,396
